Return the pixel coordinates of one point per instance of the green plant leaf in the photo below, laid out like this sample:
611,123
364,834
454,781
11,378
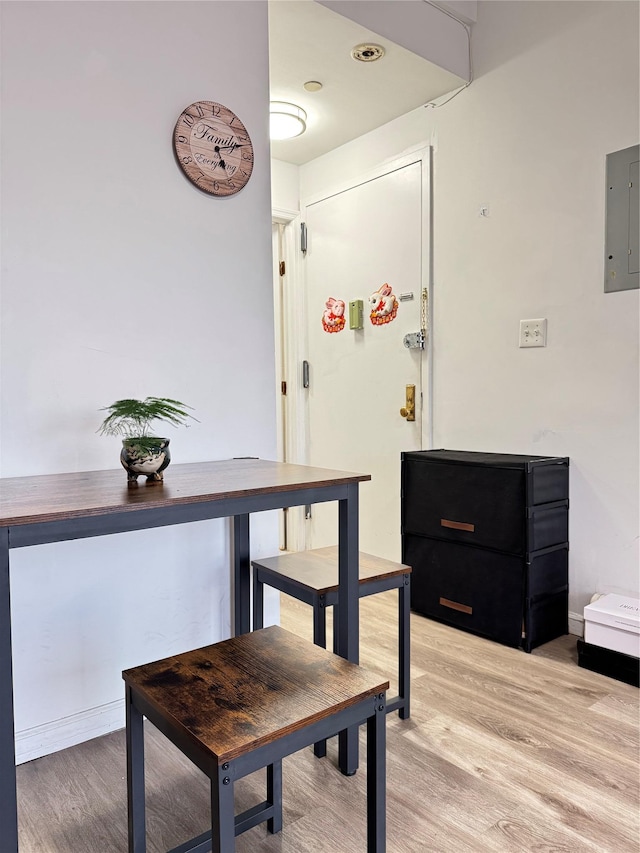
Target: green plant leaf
133,418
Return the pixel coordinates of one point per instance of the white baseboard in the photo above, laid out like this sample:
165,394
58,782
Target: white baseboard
576,624
69,731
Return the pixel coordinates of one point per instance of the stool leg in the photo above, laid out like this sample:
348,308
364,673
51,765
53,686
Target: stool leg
320,639
135,775
404,646
376,779
319,622
274,796
223,829
258,601
348,739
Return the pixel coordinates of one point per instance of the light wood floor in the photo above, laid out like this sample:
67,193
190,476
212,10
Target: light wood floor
504,752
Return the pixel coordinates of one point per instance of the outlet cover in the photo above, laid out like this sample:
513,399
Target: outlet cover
533,333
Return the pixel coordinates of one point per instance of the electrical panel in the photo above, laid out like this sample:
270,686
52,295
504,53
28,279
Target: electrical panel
622,238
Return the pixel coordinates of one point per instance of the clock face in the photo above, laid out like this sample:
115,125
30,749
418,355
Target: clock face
213,148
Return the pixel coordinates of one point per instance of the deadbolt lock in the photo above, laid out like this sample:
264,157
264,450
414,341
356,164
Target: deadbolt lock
408,411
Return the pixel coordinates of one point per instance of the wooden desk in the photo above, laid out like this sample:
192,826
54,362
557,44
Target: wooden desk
58,507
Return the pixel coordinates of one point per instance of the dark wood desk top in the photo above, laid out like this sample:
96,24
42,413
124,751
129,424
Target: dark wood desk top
54,497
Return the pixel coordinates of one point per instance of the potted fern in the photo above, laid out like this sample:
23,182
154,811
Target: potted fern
142,451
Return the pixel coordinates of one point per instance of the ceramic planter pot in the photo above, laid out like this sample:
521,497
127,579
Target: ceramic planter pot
148,459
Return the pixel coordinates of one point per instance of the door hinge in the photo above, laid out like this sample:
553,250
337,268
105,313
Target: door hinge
303,238
282,268
283,388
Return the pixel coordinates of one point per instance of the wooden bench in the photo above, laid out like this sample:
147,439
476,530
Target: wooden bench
312,577
243,704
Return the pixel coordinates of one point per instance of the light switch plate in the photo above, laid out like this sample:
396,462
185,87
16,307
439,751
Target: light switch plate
533,333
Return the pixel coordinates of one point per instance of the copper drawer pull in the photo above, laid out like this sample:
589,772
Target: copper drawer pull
463,608
457,525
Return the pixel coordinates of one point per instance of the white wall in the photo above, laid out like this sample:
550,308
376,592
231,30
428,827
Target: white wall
556,90
285,187
121,279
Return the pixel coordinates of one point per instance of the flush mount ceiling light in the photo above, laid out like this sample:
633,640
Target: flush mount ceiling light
287,120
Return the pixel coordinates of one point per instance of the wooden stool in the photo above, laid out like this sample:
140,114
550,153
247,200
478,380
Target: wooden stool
243,704
312,577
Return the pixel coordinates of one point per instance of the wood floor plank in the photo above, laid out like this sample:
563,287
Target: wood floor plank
531,723
621,709
547,794
516,833
504,753
524,748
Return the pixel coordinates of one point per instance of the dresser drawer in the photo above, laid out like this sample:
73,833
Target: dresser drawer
549,483
548,574
546,619
548,526
465,503
483,505
470,588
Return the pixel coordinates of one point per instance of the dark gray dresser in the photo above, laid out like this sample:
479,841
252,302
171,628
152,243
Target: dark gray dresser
487,535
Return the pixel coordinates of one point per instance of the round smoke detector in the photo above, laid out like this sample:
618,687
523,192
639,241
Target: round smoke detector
367,52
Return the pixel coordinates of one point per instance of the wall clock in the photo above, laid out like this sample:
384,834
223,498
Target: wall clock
213,148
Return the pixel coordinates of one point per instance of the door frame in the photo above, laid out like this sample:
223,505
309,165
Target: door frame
294,346
289,413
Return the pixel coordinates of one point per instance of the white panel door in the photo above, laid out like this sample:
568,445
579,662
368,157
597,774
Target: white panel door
365,241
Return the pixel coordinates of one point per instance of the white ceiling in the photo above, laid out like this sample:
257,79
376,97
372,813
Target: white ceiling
311,42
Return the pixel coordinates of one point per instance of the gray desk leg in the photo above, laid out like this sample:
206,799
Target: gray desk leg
404,643
241,576
134,730
376,779
348,636
8,797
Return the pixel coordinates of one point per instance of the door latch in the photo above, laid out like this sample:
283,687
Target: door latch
414,340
